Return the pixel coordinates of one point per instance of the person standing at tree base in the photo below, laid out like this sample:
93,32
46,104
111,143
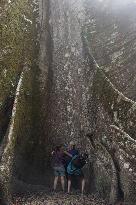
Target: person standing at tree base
74,170
58,166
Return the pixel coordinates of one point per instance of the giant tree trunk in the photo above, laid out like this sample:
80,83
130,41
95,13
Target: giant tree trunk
65,98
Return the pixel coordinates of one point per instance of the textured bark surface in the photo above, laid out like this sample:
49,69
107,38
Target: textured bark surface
81,87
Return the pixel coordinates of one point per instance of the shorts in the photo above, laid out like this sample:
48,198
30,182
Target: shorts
80,175
59,171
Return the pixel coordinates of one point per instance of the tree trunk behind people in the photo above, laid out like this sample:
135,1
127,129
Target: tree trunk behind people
59,93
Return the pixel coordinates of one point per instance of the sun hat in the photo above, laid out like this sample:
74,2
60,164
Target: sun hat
72,143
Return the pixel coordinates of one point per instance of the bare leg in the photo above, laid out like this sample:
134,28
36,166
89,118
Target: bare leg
69,185
63,183
82,185
55,182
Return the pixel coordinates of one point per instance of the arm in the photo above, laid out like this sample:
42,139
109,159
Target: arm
70,155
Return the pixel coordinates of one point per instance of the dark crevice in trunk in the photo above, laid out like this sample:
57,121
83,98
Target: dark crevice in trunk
45,98
5,115
49,46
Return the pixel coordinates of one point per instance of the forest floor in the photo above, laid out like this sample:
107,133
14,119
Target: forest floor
58,198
